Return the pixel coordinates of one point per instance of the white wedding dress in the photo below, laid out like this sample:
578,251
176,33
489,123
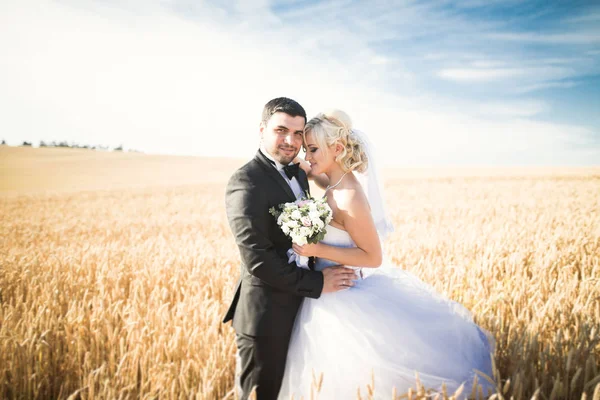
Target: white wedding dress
390,326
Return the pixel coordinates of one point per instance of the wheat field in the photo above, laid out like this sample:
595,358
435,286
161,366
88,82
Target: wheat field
116,269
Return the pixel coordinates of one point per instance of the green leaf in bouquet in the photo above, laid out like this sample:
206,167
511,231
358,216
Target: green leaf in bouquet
318,237
274,212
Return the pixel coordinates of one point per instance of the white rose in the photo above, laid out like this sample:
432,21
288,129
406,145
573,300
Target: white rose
296,215
314,215
300,240
304,231
292,224
280,219
318,224
285,229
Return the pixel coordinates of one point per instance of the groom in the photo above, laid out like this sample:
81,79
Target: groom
270,289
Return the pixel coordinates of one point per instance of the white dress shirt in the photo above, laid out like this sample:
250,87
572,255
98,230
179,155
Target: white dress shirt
294,184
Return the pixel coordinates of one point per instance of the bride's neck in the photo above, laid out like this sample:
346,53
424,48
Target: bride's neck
335,174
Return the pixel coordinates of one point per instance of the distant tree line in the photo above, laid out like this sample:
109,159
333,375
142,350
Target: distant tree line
73,146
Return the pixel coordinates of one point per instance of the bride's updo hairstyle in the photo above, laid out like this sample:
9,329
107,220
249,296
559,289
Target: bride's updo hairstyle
333,127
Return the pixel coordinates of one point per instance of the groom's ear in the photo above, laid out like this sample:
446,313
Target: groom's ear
261,129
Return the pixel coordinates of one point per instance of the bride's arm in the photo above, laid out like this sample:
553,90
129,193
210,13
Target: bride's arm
354,210
321,180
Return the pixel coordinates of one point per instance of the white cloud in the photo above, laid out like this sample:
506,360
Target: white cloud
521,74
514,109
480,74
546,85
590,16
379,60
487,64
558,38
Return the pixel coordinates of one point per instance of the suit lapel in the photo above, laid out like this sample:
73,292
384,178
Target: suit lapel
274,174
303,181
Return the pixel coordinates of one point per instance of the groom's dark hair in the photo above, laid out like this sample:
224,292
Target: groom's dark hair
282,104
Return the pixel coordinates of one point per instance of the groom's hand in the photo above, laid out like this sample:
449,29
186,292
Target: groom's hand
338,278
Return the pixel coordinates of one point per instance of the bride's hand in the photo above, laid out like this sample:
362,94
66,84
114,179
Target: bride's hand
308,250
304,165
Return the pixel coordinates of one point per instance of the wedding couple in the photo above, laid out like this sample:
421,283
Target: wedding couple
291,323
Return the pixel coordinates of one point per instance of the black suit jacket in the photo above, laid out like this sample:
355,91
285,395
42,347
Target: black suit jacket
270,289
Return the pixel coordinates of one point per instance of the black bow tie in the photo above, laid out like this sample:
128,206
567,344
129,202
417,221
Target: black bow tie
291,170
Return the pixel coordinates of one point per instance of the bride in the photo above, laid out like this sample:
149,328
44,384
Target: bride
390,326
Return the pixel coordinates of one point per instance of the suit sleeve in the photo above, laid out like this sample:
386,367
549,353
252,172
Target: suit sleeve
248,216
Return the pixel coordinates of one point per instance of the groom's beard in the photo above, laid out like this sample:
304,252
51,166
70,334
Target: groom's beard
282,155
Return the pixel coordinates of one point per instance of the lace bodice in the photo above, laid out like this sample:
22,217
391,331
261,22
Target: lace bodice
334,237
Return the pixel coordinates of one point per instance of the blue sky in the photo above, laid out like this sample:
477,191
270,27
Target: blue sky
469,82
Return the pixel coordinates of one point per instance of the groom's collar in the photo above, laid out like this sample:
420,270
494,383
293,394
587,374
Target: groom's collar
278,166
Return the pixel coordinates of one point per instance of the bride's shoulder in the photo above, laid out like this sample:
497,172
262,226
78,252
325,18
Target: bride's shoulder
350,198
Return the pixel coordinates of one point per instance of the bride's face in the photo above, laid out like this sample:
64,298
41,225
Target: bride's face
320,161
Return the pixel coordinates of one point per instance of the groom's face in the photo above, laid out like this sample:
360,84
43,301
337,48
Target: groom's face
282,136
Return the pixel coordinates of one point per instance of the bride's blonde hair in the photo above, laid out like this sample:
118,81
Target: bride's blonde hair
333,127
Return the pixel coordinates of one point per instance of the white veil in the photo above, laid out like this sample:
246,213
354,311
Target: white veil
373,187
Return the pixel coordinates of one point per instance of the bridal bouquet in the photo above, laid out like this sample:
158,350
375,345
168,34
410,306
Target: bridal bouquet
304,222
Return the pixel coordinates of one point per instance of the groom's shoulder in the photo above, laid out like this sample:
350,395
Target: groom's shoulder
252,167
247,172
